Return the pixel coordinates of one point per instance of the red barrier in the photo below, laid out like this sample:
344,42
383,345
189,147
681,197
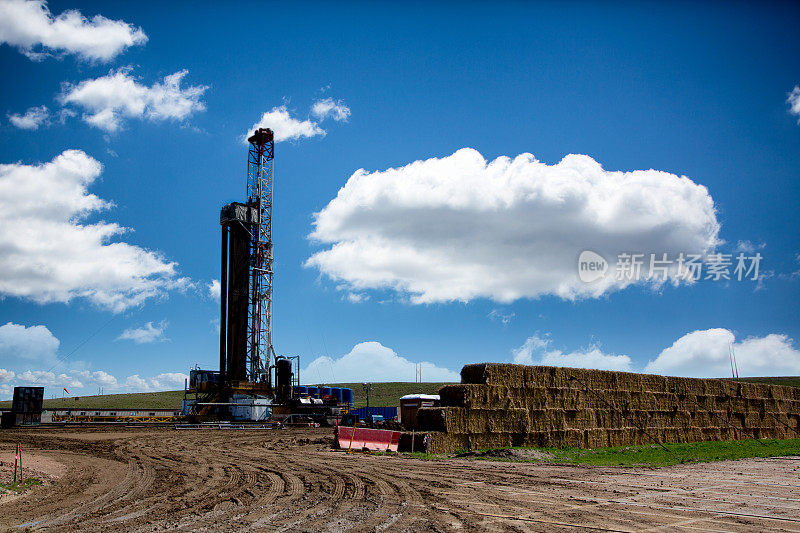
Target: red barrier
383,440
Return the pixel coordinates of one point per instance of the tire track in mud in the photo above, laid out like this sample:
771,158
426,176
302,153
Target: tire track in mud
133,480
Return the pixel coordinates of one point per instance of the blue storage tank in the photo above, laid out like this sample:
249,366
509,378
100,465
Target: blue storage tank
336,392
347,396
313,392
300,390
324,391
386,412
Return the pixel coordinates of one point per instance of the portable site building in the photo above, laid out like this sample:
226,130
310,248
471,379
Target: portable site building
410,403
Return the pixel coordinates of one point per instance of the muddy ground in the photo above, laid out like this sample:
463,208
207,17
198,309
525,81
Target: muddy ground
290,480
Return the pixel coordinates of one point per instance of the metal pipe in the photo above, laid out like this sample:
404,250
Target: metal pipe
223,307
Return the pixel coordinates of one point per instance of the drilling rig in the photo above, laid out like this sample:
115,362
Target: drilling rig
243,387
245,346
252,383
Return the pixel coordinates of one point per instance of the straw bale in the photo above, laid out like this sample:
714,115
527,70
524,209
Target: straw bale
431,419
550,406
439,442
409,441
478,441
460,420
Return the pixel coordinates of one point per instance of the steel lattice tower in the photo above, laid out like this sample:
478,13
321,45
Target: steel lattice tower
260,351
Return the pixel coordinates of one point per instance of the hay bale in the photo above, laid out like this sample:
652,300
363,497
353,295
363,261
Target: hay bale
551,406
439,442
461,420
474,374
482,441
431,419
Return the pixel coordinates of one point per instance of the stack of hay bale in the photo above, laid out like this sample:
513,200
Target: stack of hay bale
499,405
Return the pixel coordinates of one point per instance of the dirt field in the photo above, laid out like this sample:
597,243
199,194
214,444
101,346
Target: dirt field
290,480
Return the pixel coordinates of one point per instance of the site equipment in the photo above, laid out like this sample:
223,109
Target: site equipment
252,383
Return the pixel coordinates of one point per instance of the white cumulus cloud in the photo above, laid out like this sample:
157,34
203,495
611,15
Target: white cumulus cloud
700,354
29,26
110,99
98,378
46,378
794,102
214,289
706,353
328,107
51,254
537,350
146,334
289,128
285,126
31,350
21,344
357,297
371,361
165,381
82,382
32,119
460,228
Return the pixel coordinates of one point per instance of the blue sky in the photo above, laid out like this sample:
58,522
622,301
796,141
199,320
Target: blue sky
700,91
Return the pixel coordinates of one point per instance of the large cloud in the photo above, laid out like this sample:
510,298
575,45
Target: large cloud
371,361
108,100
538,350
706,353
702,354
29,25
49,255
459,228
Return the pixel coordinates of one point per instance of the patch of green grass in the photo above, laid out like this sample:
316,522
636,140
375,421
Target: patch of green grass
382,394
22,486
787,381
142,400
425,456
414,455
655,455
387,394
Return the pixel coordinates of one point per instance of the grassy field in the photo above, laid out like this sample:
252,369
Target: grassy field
382,394
387,394
142,400
649,455
788,381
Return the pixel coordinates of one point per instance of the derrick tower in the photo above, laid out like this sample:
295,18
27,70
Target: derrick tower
246,351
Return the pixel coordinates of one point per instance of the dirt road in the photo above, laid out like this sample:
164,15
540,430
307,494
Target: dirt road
290,480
